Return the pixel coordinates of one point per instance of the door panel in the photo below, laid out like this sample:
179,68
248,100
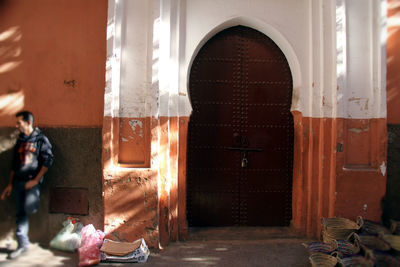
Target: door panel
240,141
211,208
269,213
277,94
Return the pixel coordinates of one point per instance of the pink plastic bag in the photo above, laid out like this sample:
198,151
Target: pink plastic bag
89,252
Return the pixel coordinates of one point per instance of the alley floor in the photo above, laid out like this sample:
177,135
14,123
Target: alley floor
204,247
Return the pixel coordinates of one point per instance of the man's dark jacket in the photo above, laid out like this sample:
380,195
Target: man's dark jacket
30,154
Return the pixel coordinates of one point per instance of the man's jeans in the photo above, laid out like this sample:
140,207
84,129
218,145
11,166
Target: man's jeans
27,202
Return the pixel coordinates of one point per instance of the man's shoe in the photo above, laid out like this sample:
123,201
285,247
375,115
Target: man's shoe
16,253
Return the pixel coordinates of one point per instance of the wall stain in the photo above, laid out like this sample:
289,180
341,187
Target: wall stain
134,124
358,130
70,83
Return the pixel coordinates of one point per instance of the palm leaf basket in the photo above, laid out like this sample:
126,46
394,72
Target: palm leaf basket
385,259
347,248
373,228
320,247
394,241
339,228
356,261
372,242
323,260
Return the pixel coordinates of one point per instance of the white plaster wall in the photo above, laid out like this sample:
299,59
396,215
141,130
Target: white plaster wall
129,89
155,65
136,49
111,59
362,79
285,22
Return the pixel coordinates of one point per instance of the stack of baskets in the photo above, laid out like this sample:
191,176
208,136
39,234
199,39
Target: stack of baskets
360,243
339,228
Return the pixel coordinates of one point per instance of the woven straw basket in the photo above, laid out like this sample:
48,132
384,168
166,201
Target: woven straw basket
347,248
339,228
394,241
320,247
372,242
373,228
385,259
356,261
323,260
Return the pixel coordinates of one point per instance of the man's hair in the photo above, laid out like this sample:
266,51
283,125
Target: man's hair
26,116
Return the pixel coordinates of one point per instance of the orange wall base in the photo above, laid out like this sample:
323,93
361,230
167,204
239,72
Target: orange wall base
130,195
313,172
361,168
145,202
335,176
332,176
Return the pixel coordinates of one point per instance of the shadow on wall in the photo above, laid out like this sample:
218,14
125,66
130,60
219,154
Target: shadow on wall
393,61
77,150
7,207
11,101
391,201
130,196
131,208
11,95
77,165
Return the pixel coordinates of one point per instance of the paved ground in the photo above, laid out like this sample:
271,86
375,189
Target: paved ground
204,247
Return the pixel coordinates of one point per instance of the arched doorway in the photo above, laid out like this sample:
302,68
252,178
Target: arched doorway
240,140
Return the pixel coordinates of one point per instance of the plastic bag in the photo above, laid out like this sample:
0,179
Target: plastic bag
91,241
69,238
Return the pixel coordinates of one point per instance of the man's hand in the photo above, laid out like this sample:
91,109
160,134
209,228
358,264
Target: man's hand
6,192
30,184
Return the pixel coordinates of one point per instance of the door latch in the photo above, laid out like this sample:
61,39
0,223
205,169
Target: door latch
245,161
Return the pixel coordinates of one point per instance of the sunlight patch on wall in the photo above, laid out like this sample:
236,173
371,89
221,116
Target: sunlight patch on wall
7,142
9,49
9,66
11,103
13,34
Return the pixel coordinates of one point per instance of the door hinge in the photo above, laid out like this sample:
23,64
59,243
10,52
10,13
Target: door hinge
339,147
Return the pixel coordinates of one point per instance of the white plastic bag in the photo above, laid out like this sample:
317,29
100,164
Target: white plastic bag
69,238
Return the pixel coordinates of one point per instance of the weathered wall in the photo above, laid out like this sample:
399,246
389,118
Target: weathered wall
392,198
130,194
77,164
52,62
335,106
361,141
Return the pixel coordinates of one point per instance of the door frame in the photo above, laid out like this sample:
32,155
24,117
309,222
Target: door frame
294,66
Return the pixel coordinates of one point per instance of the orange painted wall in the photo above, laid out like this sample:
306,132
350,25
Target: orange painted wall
361,168
393,62
326,182
313,172
145,202
328,179
131,202
52,55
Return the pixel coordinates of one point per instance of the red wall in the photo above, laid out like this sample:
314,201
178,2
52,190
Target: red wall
393,62
53,54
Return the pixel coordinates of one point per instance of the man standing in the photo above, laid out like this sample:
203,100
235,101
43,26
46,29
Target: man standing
32,158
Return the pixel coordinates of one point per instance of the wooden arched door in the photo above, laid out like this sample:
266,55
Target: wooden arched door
240,140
